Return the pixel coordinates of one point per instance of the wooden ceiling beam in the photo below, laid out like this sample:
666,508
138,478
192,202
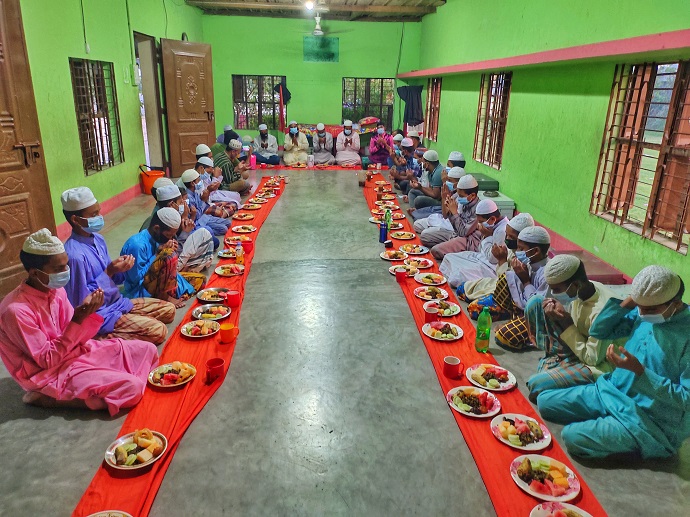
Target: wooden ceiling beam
369,9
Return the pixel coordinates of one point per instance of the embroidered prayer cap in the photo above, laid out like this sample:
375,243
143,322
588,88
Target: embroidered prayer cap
167,193
292,122
456,156
413,134
162,182
235,145
227,128
246,139
169,217
347,123
521,221
43,243
654,285
205,160
398,138
263,127
320,126
202,149
467,181
485,206
77,198
430,155
189,175
459,172
534,235
407,142
561,268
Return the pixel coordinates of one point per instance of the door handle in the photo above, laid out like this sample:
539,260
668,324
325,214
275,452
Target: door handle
30,155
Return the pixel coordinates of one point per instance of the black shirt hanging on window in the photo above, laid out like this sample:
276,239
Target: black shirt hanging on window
412,95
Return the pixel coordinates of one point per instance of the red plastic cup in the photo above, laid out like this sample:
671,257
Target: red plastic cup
228,332
452,367
247,246
431,314
263,165
276,191
214,369
232,299
401,274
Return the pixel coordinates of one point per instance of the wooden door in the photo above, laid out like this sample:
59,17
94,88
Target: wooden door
25,204
189,100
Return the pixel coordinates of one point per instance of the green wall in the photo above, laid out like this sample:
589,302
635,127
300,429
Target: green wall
273,46
53,32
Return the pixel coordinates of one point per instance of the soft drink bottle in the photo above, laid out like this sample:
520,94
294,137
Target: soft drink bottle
388,218
239,254
481,344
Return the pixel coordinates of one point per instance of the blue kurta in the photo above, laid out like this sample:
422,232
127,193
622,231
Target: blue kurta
144,249
88,260
216,225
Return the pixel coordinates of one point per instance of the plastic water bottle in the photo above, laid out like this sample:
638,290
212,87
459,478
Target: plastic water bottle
239,254
481,344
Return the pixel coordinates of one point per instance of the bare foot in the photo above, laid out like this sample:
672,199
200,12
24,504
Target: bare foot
177,302
405,199
410,210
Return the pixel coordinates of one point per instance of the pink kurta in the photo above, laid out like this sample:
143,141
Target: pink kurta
45,351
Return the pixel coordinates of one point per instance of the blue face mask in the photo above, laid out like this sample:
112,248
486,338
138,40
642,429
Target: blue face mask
463,201
564,298
205,177
522,257
293,130
488,226
447,169
57,280
380,131
347,132
95,224
181,209
450,185
198,187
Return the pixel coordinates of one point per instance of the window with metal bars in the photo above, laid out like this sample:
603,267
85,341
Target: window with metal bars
98,118
255,101
643,178
492,113
363,97
433,104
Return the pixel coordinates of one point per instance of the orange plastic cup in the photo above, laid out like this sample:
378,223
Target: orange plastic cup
228,332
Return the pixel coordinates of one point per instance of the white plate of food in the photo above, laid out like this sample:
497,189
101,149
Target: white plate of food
393,226
200,328
491,377
556,509
393,255
245,228
251,206
411,271
544,478
441,331
430,278
403,236
136,450
445,309
227,253
419,262
381,182
212,294
431,293
257,200
241,216
414,249
110,513
473,402
232,241
387,204
172,375
230,270
266,194
388,197
520,432
211,311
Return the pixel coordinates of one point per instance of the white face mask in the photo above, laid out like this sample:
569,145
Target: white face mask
564,298
657,318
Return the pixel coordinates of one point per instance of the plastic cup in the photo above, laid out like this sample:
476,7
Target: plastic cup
233,299
400,274
214,369
430,314
378,166
263,165
247,246
228,332
452,367
388,244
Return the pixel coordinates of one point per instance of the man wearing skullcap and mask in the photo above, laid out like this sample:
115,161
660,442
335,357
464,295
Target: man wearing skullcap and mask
212,177
91,269
48,347
235,173
642,407
323,146
427,191
266,147
216,216
295,146
347,146
560,327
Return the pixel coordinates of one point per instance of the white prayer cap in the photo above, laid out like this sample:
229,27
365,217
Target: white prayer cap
654,285
534,235
263,127
398,138
456,156
235,144
430,155
167,193
320,126
202,149
521,221
292,122
485,206
467,181
407,142
205,160
162,182
413,134
169,217
246,139
227,128
561,268
189,175
457,173
77,198
43,243
347,123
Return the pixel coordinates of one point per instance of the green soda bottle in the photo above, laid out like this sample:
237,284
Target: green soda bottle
481,344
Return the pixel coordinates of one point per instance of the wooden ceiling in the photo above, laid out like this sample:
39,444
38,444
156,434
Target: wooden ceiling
350,10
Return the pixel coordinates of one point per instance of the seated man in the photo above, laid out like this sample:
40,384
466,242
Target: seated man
641,408
380,145
212,177
295,146
416,141
91,268
427,211
48,347
395,153
323,146
456,159
154,273
266,147
347,146
227,135
407,167
427,191
216,216
560,326
235,174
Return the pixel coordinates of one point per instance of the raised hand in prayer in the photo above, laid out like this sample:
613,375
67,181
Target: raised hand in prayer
521,271
348,141
217,173
264,145
500,253
414,183
192,211
213,186
171,244
451,205
621,358
120,265
91,304
187,225
554,310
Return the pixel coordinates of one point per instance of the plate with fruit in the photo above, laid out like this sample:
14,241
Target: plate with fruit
251,206
211,311
243,217
393,255
544,478
431,293
403,236
212,294
411,271
473,402
556,509
414,249
442,331
245,228
230,270
445,309
430,278
520,432
200,328
491,377
419,263
172,375
136,450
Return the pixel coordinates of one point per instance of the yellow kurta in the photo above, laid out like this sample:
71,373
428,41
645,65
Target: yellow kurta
292,153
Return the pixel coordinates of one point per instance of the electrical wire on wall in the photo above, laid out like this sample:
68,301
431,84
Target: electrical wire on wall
87,49
165,8
397,68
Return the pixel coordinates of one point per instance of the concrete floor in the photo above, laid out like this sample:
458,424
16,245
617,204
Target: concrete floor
331,405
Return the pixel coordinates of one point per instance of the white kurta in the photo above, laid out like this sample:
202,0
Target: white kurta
347,154
294,154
